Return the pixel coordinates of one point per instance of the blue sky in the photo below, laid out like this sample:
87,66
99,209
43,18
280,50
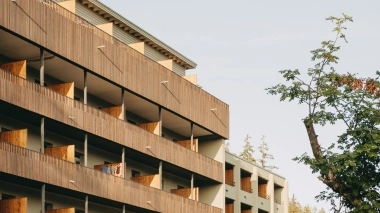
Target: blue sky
241,45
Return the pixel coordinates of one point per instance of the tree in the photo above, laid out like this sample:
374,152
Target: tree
227,146
248,151
349,167
294,205
263,149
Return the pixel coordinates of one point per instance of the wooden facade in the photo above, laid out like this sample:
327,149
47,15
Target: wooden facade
16,68
62,152
44,168
77,41
63,210
16,205
41,100
17,137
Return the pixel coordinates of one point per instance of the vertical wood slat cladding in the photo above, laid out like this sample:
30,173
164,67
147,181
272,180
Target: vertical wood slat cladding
229,208
16,205
62,152
77,40
34,165
115,111
66,89
245,184
16,137
262,191
16,68
50,104
64,210
229,177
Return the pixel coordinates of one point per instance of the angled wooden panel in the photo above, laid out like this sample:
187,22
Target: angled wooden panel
68,4
16,137
139,46
192,78
62,152
16,205
262,191
167,63
152,127
115,169
108,27
16,68
186,192
187,144
148,180
66,89
246,211
63,210
115,111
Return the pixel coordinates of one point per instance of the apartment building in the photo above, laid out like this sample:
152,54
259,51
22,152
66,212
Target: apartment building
97,115
252,189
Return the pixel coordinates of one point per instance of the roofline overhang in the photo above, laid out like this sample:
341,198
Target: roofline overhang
139,33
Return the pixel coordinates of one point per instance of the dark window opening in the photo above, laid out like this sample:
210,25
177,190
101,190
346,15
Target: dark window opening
7,196
135,173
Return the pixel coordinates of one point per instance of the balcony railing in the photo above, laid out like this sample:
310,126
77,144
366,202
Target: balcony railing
18,91
34,165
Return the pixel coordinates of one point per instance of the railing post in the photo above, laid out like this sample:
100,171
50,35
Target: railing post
123,209
86,204
192,186
42,128
42,67
192,136
160,120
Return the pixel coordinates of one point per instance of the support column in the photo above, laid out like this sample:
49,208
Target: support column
192,186
122,104
192,136
85,87
85,149
123,161
42,135
86,204
160,174
160,119
123,209
42,67
43,198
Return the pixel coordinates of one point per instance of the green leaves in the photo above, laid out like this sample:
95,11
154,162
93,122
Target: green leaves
350,166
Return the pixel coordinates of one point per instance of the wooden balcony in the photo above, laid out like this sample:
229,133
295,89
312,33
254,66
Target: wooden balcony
245,184
29,164
48,103
77,41
15,205
148,180
229,177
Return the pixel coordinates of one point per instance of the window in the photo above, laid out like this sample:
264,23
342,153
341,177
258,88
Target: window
48,206
135,173
76,98
175,140
78,157
131,122
180,187
78,211
47,144
7,196
37,81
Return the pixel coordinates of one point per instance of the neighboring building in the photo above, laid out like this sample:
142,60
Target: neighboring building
252,189
97,115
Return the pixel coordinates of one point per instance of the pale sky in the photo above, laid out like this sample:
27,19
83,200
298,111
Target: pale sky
241,45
